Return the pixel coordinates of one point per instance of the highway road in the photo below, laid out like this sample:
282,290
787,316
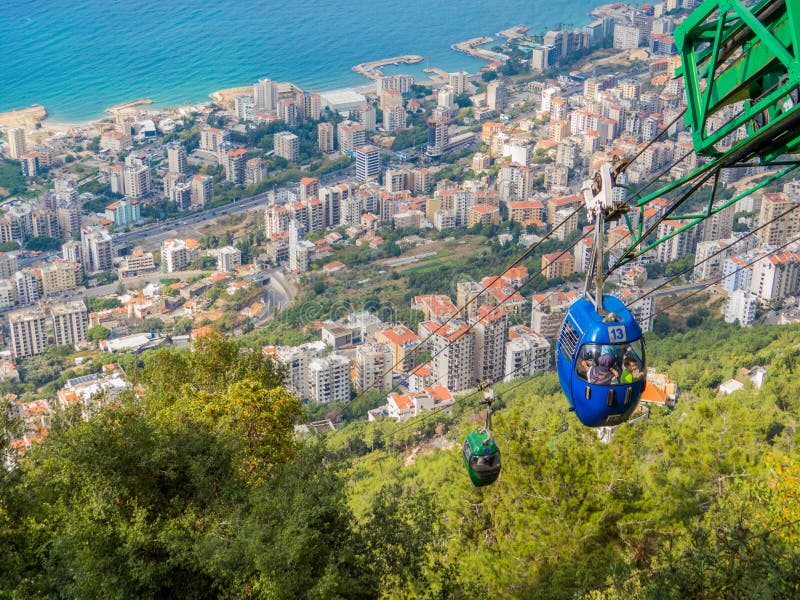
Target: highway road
158,232
155,233
680,289
277,294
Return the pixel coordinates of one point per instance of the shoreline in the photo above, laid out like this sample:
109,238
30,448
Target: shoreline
34,114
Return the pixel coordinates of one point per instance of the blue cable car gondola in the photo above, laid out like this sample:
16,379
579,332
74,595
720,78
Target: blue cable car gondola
600,350
601,362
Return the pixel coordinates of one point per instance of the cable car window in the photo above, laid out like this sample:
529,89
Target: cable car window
568,340
611,364
489,461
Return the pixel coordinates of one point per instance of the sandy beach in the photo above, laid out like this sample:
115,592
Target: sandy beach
23,117
227,96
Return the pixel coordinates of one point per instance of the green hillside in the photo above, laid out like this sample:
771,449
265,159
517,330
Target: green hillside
198,490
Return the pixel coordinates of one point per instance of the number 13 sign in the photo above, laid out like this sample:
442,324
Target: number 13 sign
617,333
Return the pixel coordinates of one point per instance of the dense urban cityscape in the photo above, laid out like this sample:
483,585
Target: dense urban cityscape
522,330
100,253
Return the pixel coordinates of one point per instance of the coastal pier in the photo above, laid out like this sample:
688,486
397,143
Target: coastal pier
371,69
437,74
128,106
517,31
473,48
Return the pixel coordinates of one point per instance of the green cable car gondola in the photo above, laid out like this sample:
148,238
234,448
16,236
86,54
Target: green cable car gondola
481,454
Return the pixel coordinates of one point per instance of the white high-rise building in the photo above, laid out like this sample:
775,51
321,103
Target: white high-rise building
8,265
287,145
181,195
446,98
313,375
288,112
234,162
458,81
394,118
453,352
329,379
368,162
8,294
202,189
296,360
212,138
73,252
398,83
325,137
311,105
776,276
98,252
29,286
59,276
741,307
254,171
28,332
176,158
276,220
490,331
137,180
244,106
16,142
69,323
373,367
495,95
300,250
351,135
175,255
265,94
228,259
367,116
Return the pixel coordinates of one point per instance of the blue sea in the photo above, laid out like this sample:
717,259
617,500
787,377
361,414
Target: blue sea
79,57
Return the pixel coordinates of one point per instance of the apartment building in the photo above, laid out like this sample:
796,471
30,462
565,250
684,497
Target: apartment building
287,145
452,349
373,367
402,343
28,330
490,329
69,321
97,249
228,259
60,276
526,354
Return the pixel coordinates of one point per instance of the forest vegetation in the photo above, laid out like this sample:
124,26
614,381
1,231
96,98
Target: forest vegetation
197,487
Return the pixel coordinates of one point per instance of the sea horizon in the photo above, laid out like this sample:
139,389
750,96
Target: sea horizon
177,54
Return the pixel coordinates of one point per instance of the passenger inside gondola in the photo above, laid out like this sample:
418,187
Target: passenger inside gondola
630,371
610,364
604,372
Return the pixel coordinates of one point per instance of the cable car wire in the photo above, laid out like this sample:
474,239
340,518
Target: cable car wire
469,301
717,253
628,161
719,278
663,216
470,395
494,309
